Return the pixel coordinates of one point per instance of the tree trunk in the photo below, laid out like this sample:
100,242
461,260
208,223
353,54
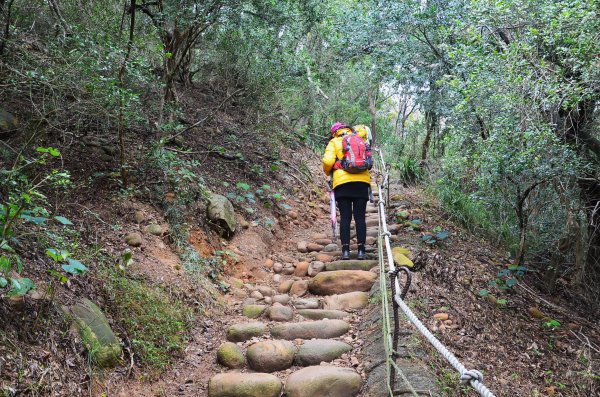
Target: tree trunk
431,123
372,97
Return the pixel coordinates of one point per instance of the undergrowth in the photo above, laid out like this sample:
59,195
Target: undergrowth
156,323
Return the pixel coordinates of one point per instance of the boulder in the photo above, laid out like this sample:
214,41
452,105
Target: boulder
325,258
284,299
319,236
277,267
341,281
134,239
8,123
95,332
321,329
348,301
321,314
315,268
330,248
308,303
321,380
299,288
278,312
352,264
271,355
243,332
302,246
235,384
313,247
253,311
301,269
220,212
154,229
285,286
230,355
315,351
264,290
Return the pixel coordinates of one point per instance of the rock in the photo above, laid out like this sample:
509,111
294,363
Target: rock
243,332
278,312
244,224
277,278
441,316
133,239
256,295
265,291
285,286
301,269
277,267
330,248
319,236
302,246
235,384
315,268
288,269
323,241
284,299
352,264
320,314
154,229
269,263
323,258
299,288
139,217
312,247
341,281
95,332
236,282
239,293
249,301
271,355
372,222
268,300
321,380
315,351
370,240
230,355
308,303
321,329
536,313
253,311
292,214
8,122
349,301
220,211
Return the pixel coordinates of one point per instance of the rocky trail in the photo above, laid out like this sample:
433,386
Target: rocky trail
299,329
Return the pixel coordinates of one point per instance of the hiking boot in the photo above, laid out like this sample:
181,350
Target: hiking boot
345,252
361,252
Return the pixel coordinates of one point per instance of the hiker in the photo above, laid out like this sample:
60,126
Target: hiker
351,186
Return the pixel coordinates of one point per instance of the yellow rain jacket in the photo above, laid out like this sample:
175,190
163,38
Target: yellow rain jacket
333,152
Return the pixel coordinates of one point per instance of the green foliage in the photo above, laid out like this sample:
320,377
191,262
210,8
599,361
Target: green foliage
156,323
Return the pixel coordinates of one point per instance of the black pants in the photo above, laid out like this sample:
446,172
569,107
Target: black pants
348,207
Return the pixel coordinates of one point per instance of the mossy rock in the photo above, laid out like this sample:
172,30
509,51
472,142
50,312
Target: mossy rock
221,212
351,265
97,336
253,311
8,122
230,355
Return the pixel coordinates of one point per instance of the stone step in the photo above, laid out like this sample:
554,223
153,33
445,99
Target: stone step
353,254
244,331
322,380
271,355
351,265
315,351
341,281
322,329
349,301
321,314
242,384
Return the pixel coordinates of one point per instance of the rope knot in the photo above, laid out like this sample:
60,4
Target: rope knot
470,375
386,233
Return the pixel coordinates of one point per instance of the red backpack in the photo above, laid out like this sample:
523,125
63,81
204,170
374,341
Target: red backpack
356,154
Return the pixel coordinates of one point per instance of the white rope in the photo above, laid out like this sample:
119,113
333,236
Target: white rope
472,377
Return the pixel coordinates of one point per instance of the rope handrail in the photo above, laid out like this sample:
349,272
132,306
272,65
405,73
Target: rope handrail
472,377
